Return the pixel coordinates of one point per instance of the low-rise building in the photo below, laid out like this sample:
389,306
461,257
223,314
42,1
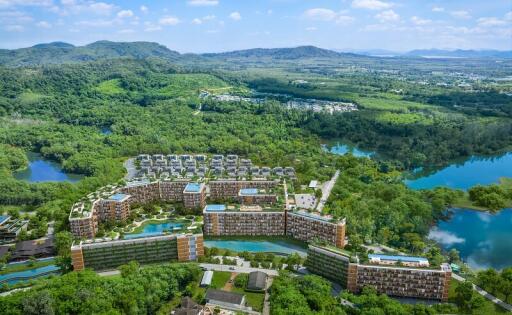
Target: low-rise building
10,228
219,221
257,281
313,227
104,255
225,298
398,280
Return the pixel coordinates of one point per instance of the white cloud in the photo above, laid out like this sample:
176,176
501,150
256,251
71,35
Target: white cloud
508,16
150,27
311,29
197,21
444,237
490,21
39,3
419,21
235,16
14,28
437,9
461,14
95,23
125,14
371,4
320,14
169,20
144,9
206,18
14,17
209,17
126,31
101,8
203,3
43,24
344,19
270,12
387,16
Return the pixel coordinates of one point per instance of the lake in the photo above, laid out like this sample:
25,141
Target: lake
483,240
268,246
342,149
464,175
41,170
155,229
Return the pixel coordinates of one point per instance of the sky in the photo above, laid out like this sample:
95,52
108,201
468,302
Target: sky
222,25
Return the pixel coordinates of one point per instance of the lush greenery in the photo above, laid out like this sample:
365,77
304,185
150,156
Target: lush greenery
138,291
497,283
492,197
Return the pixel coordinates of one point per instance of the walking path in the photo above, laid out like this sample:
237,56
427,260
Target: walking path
485,294
326,191
266,301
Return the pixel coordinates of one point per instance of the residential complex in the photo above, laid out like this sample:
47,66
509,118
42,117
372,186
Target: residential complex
398,280
219,220
103,255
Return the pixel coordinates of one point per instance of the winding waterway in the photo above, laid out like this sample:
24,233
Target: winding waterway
41,170
483,239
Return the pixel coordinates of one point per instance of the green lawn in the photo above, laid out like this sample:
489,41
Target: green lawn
29,97
190,84
404,118
254,299
390,104
489,307
219,279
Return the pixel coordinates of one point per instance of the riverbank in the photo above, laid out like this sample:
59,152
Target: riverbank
464,201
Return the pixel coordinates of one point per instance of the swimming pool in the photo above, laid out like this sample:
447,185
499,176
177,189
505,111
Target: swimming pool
155,229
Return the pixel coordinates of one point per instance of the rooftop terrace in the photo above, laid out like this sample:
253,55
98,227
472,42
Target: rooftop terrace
193,188
248,191
118,197
215,208
411,259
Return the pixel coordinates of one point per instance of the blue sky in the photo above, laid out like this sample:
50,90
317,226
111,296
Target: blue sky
222,25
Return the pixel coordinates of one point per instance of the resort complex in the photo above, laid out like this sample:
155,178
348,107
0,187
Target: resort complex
246,201
401,276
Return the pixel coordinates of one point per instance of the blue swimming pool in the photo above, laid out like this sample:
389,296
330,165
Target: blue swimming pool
268,246
15,277
155,229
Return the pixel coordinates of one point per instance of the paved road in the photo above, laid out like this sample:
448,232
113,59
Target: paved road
131,171
238,269
485,294
326,191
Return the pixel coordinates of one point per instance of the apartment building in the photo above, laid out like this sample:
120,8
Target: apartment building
309,227
115,208
254,196
82,220
226,188
142,191
172,190
194,196
156,249
218,221
401,281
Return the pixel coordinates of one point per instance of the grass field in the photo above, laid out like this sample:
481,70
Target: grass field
190,84
219,279
390,104
28,97
404,118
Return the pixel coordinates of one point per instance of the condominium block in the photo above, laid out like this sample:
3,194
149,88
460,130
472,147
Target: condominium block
230,188
219,221
115,208
82,220
142,191
254,196
194,196
157,249
172,190
312,227
398,280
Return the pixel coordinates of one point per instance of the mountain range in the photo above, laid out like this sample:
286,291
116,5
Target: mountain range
60,52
